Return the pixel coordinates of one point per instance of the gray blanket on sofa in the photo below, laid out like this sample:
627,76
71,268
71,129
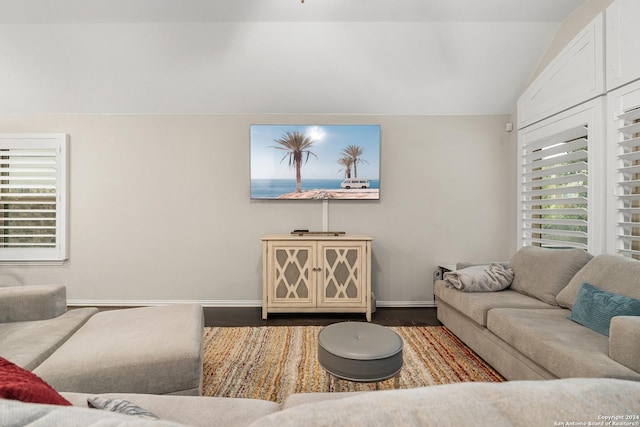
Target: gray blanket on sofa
479,278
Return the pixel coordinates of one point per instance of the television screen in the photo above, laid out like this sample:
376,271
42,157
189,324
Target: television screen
315,162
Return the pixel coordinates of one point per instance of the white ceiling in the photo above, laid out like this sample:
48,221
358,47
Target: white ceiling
272,56
48,11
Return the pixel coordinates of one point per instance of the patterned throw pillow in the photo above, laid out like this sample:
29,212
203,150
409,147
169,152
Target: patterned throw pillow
120,406
17,383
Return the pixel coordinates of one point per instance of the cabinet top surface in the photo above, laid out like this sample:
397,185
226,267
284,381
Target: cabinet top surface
316,237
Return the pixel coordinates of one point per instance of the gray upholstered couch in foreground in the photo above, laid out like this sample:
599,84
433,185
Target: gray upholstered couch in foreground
519,403
524,331
155,350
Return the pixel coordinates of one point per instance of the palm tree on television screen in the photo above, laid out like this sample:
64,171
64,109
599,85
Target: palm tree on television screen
297,145
354,152
346,162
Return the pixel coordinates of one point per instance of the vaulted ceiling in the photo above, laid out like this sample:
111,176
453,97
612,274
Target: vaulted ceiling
272,56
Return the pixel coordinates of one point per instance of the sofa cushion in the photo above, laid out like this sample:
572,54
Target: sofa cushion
296,399
512,403
542,273
559,345
154,350
17,383
594,308
613,273
476,305
624,345
28,344
14,414
195,411
27,303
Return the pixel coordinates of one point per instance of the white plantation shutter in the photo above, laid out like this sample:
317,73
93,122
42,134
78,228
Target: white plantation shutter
624,105
33,197
556,188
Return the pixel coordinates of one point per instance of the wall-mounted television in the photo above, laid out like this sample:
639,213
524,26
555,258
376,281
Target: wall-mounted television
311,162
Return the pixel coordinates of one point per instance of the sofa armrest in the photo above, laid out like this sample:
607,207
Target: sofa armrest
624,341
27,303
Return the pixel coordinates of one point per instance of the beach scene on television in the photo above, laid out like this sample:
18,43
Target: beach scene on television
315,162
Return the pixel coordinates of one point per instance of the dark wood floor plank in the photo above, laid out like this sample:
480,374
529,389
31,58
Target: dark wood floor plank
252,316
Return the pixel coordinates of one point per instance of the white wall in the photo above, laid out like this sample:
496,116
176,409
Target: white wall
160,207
158,116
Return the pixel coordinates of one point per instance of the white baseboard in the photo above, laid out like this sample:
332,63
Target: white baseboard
400,304
216,303
144,303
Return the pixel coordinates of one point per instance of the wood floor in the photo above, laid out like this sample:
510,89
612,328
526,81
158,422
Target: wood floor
252,316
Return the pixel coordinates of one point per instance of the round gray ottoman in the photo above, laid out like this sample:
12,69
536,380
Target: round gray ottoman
362,352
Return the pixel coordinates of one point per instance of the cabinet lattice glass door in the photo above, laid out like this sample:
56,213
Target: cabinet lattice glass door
292,275
341,274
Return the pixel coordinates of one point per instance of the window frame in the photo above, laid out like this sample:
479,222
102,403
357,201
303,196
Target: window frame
591,115
35,255
622,101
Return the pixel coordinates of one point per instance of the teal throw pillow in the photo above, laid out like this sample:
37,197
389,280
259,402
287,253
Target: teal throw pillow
595,307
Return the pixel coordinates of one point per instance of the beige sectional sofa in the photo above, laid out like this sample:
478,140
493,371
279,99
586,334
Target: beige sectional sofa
524,331
155,350
522,335
520,403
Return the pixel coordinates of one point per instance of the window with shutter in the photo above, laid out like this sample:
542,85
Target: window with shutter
33,197
624,106
556,185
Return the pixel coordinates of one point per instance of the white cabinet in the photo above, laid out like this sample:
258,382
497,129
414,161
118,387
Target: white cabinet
574,76
623,42
316,273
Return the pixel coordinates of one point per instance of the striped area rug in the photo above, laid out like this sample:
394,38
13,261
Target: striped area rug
271,362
